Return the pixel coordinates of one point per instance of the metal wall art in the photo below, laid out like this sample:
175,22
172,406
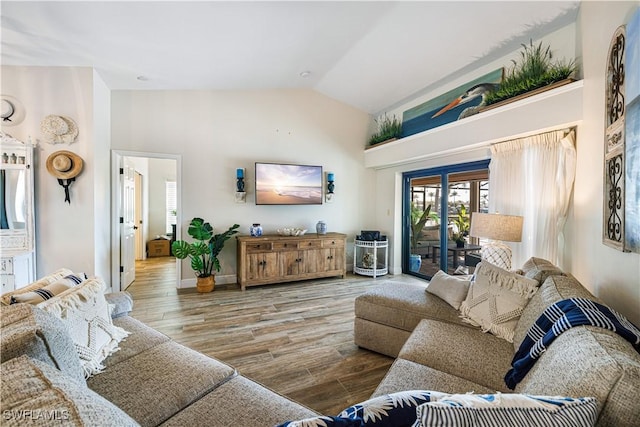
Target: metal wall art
613,232
621,219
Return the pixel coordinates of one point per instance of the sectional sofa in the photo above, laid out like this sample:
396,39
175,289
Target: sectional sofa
436,350
152,380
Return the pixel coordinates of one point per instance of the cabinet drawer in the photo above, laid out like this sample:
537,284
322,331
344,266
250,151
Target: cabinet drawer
331,243
6,266
8,282
259,247
279,246
309,244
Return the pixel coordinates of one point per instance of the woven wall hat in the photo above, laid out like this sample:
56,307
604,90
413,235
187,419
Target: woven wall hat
59,129
12,111
64,164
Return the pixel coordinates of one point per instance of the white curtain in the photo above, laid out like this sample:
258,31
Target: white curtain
533,177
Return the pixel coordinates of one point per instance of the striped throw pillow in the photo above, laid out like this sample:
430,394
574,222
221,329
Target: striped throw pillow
36,296
484,410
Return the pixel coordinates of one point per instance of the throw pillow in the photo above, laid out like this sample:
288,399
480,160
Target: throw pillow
539,269
40,283
87,315
322,421
452,289
496,299
390,410
36,296
35,393
462,410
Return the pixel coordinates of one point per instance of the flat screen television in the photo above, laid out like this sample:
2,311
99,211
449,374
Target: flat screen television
283,184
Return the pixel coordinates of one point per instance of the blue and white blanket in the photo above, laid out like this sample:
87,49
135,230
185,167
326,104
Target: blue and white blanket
560,317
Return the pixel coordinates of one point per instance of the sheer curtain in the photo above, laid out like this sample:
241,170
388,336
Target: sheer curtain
533,177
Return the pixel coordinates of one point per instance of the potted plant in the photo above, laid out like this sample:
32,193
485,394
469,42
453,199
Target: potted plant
463,223
203,252
389,128
419,218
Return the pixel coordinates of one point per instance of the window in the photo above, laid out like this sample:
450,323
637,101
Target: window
170,191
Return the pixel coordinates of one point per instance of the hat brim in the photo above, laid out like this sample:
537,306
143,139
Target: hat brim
76,165
19,112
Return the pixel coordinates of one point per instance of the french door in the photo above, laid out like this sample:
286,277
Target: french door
437,207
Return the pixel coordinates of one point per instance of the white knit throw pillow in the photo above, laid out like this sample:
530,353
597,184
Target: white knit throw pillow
87,315
496,299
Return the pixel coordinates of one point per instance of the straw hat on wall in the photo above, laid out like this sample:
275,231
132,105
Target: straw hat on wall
64,164
59,129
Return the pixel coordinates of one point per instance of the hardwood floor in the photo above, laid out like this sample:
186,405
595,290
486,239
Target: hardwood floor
296,338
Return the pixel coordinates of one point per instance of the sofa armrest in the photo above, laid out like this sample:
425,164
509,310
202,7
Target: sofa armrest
122,301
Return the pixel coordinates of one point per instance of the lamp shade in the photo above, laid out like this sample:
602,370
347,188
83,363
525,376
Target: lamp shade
507,228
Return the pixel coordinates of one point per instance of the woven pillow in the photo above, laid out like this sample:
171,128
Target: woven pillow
36,296
539,269
469,410
452,289
496,299
40,283
87,315
34,393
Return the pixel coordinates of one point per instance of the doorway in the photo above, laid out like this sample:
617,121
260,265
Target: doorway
437,207
142,213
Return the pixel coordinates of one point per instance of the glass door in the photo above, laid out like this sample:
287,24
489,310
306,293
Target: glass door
437,208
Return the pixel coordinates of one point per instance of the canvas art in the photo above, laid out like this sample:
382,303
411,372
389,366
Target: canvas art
632,134
454,105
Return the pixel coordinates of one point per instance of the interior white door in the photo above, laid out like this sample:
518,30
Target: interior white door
127,222
140,249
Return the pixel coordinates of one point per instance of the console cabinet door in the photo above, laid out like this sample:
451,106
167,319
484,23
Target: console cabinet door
262,265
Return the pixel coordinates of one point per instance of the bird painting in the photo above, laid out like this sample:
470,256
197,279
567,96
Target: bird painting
477,91
458,103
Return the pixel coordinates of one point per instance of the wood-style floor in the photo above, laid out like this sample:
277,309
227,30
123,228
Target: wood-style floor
296,338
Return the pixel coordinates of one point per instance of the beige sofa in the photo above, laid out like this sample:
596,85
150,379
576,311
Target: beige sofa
151,380
437,350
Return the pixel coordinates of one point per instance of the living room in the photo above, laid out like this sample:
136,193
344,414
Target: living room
216,132
211,133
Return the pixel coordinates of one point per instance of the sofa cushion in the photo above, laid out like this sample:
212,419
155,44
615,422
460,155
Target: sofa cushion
122,303
241,402
555,288
472,410
452,289
27,330
141,338
539,269
403,306
87,316
35,393
407,375
464,352
40,283
496,300
590,361
173,376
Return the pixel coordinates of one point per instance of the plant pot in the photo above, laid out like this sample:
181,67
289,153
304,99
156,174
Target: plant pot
205,284
415,261
460,244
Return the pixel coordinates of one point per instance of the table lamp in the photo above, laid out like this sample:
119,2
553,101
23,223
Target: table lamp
498,228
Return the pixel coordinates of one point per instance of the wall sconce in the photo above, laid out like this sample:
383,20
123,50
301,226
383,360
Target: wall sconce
330,187
241,195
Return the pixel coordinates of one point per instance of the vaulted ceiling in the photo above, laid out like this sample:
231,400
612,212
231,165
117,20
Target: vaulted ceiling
369,54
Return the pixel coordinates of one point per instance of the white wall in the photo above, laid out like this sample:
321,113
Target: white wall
66,234
612,275
217,132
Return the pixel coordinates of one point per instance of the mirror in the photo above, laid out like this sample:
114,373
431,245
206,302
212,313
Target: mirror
13,200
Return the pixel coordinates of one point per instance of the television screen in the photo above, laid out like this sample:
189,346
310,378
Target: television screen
280,184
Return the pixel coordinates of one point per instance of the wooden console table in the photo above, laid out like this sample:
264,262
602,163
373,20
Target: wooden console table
273,258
